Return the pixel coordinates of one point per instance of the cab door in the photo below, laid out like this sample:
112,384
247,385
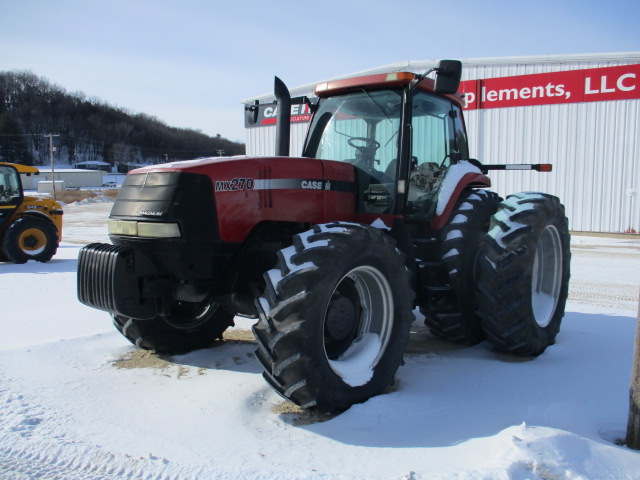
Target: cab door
438,140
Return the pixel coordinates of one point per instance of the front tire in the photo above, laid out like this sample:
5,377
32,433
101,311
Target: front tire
31,238
191,326
524,276
335,316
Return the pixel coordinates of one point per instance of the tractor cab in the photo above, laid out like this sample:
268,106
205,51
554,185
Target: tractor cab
401,131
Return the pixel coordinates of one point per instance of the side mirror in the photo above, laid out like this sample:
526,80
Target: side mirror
251,114
448,76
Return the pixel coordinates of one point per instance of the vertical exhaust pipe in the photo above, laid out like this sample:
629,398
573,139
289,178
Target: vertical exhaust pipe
283,125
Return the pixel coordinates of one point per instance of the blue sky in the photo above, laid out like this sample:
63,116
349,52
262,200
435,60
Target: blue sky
190,62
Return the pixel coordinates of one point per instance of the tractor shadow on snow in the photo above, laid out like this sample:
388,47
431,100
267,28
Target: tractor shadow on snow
448,394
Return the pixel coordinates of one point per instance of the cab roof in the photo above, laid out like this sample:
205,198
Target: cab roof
22,168
381,80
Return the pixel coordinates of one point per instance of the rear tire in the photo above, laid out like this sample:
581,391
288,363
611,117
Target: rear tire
191,326
524,276
462,242
31,238
335,316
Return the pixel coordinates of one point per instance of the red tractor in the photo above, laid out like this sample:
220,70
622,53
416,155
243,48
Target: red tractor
332,251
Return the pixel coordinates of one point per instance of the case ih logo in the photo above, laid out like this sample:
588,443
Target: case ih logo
268,115
573,86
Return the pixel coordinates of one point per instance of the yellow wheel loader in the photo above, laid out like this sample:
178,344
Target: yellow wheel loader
30,227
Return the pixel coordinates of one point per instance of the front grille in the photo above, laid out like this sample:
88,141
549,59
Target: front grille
170,197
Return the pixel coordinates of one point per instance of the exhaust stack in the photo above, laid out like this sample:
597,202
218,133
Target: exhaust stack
283,125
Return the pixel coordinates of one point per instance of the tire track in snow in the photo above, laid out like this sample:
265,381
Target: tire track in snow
602,298
31,448
27,465
605,274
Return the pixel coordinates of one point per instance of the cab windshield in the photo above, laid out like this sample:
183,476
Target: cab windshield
10,191
361,128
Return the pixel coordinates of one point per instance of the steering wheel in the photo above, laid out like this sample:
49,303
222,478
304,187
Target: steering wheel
368,143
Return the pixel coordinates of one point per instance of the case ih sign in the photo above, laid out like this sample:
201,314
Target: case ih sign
572,86
267,115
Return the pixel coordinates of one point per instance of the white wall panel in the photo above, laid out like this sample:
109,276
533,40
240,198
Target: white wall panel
262,140
593,147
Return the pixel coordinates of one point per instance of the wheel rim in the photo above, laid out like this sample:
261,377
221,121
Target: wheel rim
188,315
358,324
32,241
547,276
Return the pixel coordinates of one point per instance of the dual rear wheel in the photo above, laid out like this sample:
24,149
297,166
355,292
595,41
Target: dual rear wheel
508,265
524,274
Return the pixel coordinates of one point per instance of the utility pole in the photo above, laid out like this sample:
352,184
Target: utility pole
633,423
53,173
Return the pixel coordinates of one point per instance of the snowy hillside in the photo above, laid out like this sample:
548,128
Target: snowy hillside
78,402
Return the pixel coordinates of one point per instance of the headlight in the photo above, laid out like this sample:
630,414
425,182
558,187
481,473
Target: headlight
144,229
123,227
158,230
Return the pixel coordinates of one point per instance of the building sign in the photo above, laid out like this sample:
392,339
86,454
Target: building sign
572,86
268,114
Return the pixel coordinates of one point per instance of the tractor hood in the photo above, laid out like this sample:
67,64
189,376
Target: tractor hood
245,191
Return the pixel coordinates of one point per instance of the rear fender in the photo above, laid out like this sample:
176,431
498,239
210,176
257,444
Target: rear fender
451,191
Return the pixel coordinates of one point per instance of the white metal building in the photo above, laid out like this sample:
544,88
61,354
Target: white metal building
579,112
71,178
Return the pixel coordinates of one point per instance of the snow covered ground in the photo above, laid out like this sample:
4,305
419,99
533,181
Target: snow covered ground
77,401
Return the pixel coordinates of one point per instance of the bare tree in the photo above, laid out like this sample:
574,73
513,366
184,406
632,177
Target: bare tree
89,128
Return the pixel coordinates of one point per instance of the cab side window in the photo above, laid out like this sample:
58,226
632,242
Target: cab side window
437,131
10,191
461,143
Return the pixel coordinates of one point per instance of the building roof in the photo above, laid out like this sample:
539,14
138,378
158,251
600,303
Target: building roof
91,162
79,171
419,66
